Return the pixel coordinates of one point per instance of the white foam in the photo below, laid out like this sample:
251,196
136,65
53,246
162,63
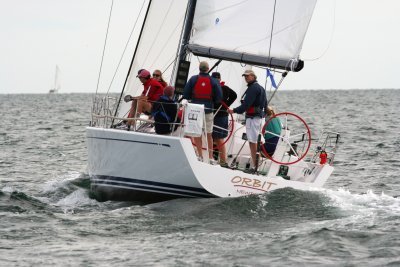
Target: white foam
361,210
60,182
8,189
76,199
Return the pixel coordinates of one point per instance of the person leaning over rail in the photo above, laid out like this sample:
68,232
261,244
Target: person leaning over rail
165,112
203,89
157,75
253,102
151,92
221,121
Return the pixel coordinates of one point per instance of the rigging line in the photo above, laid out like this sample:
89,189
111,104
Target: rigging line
266,37
272,30
157,33
131,64
331,37
278,86
104,48
173,60
126,46
167,41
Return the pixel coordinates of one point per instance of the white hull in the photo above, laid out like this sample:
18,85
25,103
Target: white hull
126,165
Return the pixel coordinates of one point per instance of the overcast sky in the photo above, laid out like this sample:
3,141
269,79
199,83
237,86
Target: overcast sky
361,37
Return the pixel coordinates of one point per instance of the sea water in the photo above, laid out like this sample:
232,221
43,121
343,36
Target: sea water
49,219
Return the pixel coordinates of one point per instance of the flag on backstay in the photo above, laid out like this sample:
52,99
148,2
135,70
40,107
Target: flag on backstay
271,77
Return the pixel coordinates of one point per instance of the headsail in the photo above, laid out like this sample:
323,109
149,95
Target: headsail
264,33
157,47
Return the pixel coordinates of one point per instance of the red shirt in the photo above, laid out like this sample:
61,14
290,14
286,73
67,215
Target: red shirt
163,84
156,89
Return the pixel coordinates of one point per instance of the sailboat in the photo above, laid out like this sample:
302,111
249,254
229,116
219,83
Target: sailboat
232,35
57,84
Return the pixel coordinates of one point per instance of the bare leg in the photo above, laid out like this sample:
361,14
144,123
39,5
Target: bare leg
132,111
198,143
253,151
222,150
210,145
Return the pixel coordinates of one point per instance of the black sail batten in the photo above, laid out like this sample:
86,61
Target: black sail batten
294,65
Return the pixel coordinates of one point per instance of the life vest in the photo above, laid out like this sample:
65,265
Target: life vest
202,89
324,157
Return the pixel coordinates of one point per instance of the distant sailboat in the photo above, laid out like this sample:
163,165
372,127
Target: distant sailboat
57,84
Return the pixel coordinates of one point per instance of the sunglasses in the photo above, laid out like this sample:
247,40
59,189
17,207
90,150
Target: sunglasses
156,75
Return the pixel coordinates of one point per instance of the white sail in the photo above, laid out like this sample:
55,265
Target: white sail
158,44
232,30
57,83
259,32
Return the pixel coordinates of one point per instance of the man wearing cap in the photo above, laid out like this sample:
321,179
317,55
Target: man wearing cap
205,90
151,93
221,121
253,103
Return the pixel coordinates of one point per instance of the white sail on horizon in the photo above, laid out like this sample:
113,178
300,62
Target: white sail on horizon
57,83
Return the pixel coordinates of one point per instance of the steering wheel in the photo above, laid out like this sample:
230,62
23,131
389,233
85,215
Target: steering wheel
298,129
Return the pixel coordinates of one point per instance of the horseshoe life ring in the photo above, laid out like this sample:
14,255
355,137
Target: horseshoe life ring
303,131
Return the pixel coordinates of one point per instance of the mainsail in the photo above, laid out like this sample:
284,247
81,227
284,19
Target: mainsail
258,32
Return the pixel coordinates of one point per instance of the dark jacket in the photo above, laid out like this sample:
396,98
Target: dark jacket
228,97
253,97
164,113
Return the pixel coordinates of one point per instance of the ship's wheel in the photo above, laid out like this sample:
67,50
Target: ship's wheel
297,143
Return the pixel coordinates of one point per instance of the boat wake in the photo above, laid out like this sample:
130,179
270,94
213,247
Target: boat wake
316,209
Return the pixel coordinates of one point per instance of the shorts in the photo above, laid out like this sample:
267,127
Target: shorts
253,128
209,122
222,123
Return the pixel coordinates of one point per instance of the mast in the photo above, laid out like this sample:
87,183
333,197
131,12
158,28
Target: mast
55,80
187,29
182,64
130,66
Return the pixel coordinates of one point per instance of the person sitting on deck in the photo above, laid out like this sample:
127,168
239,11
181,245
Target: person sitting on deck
165,112
151,93
272,131
157,75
